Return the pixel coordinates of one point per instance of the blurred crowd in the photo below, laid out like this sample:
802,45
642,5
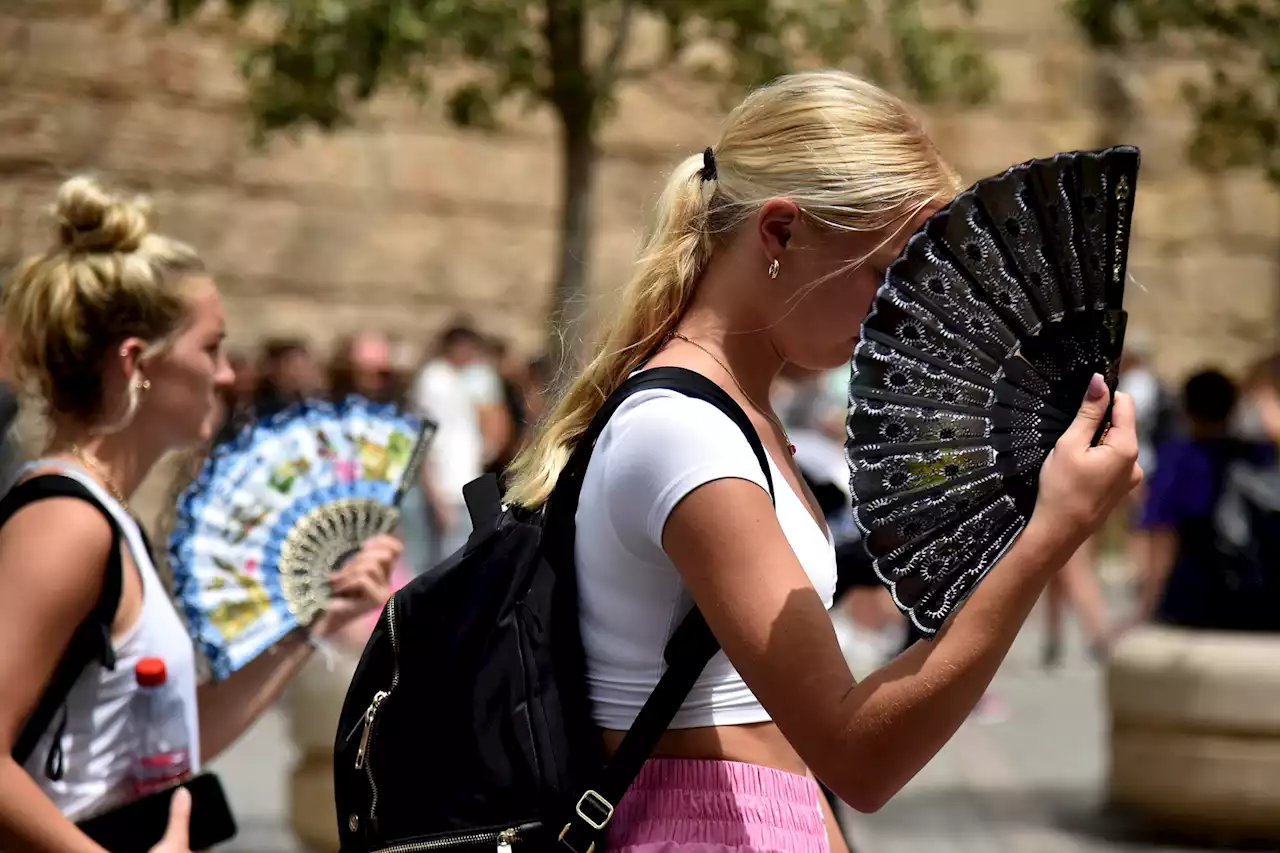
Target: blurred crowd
481,396
483,399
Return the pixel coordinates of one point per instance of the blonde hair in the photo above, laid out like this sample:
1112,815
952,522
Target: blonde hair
851,156
106,278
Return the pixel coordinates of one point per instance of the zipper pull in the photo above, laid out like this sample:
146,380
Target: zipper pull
368,728
505,840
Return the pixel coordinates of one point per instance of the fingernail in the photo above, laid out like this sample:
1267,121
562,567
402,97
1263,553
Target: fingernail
1097,388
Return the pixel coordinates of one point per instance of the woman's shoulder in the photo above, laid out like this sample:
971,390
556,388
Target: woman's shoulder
35,500
657,448
53,552
667,421
58,519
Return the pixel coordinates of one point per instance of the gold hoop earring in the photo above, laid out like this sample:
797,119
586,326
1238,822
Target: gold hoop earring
774,266
130,409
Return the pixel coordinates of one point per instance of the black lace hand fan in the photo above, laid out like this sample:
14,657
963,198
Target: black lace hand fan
973,360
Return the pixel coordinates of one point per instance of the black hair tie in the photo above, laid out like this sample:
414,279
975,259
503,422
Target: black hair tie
708,172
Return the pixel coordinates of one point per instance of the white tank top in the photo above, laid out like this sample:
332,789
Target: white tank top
657,448
100,743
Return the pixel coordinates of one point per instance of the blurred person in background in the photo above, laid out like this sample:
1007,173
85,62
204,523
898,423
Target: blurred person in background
119,332
1258,415
1159,415
237,398
240,394
366,364
1155,410
1183,581
1078,589
287,374
484,379
458,389
361,364
513,378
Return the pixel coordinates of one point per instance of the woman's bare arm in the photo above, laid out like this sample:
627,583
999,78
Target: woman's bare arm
228,708
866,740
863,740
52,555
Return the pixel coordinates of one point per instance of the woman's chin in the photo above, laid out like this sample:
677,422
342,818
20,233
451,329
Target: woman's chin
202,436
838,356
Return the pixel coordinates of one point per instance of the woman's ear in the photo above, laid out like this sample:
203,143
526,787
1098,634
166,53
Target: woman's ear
128,357
775,226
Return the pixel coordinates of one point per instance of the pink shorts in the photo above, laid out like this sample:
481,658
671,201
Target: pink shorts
681,805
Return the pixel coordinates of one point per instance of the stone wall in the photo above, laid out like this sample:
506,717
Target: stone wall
404,220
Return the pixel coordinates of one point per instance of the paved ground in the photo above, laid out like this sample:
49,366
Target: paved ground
255,773
1029,784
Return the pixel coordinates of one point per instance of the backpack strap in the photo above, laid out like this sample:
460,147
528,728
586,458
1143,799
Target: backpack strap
91,641
483,497
562,508
692,645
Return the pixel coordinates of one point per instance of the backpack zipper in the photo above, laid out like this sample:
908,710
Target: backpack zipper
370,715
504,841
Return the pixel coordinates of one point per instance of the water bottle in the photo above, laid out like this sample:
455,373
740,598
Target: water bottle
164,756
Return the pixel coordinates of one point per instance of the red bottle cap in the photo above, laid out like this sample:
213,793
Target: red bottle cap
150,672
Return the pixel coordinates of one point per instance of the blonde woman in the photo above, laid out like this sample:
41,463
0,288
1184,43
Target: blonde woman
120,332
767,250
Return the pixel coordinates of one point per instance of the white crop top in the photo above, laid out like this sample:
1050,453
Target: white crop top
100,742
657,448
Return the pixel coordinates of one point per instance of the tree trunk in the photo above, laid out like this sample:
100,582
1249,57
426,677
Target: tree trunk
573,95
1112,97
565,335
1274,343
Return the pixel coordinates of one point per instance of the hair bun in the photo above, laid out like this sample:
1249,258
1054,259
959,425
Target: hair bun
91,219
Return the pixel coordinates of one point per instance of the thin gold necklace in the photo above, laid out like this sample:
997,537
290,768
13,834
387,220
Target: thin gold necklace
99,470
768,415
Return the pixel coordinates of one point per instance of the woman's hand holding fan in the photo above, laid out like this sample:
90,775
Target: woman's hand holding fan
362,584
976,352
285,526
1080,482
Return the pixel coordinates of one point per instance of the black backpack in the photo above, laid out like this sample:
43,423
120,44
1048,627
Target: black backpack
1168,423
467,724
1246,539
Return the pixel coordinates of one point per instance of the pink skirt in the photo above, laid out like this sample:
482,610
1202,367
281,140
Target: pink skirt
681,805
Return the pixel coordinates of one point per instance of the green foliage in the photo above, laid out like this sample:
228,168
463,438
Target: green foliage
312,63
320,58
1238,105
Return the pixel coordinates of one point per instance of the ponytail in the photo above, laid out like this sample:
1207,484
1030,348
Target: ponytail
848,154
652,303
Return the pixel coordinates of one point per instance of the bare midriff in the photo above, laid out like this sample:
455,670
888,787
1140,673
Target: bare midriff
755,743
